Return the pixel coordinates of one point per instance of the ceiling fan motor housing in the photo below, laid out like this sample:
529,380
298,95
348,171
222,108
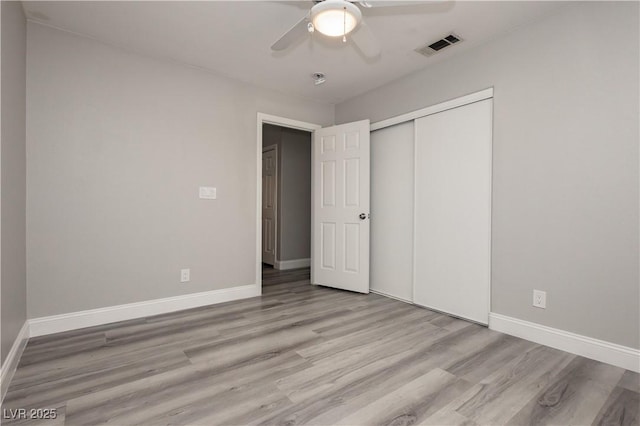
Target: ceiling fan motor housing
344,15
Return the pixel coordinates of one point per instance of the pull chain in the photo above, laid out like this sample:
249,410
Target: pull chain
344,28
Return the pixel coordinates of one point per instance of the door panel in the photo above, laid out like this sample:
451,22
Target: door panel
328,144
352,247
453,211
352,182
328,246
269,203
328,182
340,256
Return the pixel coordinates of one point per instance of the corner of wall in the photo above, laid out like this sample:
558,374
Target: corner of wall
13,181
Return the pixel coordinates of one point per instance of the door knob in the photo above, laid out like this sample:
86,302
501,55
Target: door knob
362,216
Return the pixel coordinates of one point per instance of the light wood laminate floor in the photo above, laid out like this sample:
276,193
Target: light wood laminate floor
302,354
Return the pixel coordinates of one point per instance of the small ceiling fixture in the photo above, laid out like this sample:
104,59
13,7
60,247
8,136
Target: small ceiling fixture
335,18
318,78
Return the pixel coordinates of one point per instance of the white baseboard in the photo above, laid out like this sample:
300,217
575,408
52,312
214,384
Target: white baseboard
75,320
600,350
13,358
292,264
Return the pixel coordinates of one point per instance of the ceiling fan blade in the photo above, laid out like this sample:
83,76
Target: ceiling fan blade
296,32
391,3
366,41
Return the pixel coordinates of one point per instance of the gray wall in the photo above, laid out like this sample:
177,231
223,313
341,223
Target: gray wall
117,145
13,281
565,162
294,190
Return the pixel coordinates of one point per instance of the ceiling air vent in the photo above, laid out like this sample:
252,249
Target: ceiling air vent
436,46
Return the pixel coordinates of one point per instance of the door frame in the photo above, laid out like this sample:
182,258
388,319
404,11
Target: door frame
282,122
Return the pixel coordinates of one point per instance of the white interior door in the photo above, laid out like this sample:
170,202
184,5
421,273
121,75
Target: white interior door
453,211
269,203
340,207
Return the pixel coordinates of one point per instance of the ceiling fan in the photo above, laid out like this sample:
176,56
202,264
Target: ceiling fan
339,18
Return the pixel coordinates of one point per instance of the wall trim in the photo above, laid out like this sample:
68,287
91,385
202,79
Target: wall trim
89,318
13,358
434,109
588,347
292,264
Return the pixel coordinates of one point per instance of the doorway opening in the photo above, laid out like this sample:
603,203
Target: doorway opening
284,197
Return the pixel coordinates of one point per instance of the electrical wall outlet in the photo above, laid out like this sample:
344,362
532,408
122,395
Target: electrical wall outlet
185,275
207,192
540,299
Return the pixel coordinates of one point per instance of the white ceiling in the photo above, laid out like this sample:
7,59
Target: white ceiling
233,38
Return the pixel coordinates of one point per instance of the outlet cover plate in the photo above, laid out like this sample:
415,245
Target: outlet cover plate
185,275
540,299
207,192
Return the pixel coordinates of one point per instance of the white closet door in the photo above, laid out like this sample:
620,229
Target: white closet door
392,210
452,257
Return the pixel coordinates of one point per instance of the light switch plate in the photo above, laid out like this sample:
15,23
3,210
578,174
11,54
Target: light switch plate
207,192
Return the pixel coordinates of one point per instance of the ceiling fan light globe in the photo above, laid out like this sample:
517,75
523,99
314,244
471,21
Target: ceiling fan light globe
335,18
